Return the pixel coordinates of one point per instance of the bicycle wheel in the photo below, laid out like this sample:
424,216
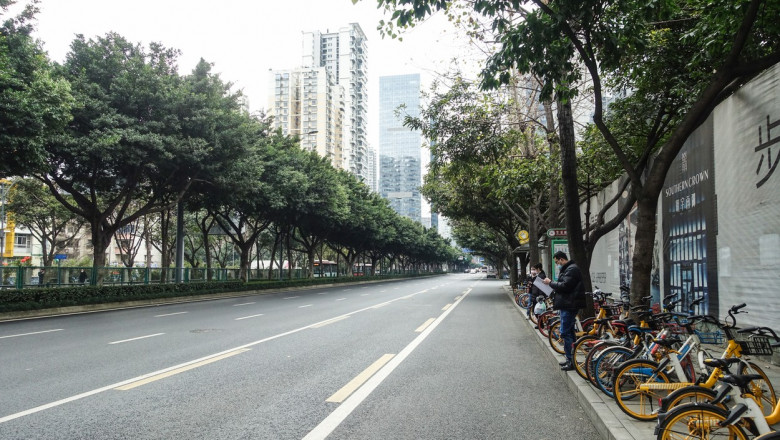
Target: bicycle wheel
604,369
774,435
525,300
632,400
535,319
579,354
698,421
590,360
545,320
555,338
691,394
761,388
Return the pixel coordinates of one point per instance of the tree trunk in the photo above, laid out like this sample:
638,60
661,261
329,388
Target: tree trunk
207,249
100,242
289,255
571,194
165,259
148,241
533,234
244,251
310,269
644,241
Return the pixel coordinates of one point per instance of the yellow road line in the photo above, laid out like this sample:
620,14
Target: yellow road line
330,321
130,386
446,307
425,325
340,395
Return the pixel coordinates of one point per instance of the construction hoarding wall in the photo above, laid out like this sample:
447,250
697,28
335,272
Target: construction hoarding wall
747,151
718,230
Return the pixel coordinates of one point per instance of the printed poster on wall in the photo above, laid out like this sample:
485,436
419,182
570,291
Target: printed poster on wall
689,224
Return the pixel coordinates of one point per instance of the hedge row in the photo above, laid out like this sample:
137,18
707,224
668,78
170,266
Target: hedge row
16,300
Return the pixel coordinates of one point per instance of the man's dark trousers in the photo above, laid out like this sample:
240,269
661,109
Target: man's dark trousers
567,332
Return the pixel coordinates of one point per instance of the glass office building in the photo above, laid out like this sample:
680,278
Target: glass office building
400,164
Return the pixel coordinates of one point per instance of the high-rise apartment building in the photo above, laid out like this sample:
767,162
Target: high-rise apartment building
344,55
400,164
306,102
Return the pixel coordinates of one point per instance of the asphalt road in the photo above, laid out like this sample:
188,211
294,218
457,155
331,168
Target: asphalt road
436,358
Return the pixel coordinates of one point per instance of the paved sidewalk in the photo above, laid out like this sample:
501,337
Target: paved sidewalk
606,416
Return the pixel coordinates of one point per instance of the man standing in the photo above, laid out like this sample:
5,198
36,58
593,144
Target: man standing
569,298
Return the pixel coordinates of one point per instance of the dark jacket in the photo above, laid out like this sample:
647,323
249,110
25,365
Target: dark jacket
569,289
535,290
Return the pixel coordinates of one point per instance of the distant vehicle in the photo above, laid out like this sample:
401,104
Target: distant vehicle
483,270
361,269
467,270
492,273
473,271
325,268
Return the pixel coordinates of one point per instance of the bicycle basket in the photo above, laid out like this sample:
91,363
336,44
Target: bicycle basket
756,346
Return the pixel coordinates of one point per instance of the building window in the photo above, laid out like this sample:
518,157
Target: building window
22,241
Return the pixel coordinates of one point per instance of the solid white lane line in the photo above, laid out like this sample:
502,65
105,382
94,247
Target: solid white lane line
341,299
425,325
137,384
307,305
343,411
242,304
170,314
33,333
361,378
135,339
291,297
247,317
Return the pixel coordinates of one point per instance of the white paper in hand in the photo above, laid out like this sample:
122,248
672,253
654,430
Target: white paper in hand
543,287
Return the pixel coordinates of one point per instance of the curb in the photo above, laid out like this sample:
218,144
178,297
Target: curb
605,415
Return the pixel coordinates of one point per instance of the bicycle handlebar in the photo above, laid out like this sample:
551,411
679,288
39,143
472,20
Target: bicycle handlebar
760,331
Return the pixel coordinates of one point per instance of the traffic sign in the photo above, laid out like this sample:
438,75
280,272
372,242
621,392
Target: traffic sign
60,256
523,236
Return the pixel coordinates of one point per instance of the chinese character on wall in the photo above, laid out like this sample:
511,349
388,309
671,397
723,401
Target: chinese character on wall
766,152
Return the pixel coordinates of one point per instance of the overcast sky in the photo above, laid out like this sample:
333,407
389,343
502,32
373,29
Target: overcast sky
245,38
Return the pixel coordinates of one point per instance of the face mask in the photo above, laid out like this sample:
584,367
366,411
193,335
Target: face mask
558,266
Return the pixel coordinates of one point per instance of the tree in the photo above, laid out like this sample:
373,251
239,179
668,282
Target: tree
34,104
123,148
49,222
239,198
309,198
676,58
